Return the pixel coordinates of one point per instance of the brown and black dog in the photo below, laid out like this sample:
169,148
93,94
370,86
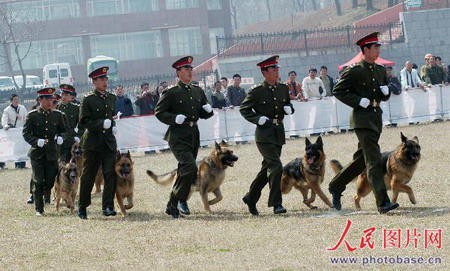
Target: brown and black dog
307,173
66,185
398,168
210,175
125,181
77,154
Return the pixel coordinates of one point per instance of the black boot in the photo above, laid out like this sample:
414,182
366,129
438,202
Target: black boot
336,199
279,209
30,199
109,212
172,211
251,206
387,206
82,213
182,206
47,195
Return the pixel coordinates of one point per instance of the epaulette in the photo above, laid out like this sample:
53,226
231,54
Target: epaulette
72,103
168,89
256,86
33,111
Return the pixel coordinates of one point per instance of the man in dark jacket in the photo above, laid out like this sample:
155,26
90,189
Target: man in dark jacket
123,103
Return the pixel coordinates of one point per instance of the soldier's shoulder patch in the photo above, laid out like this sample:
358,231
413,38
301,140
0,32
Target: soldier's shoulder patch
32,111
255,87
57,111
74,104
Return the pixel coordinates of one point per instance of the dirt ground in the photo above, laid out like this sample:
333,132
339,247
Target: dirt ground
231,239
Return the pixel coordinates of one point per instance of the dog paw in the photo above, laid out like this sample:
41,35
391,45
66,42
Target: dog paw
313,207
413,201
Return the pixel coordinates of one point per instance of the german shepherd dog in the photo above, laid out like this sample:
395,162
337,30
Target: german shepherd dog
77,154
398,168
210,175
307,173
66,185
125,181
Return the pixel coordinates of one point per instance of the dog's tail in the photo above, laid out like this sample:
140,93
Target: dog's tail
164,179
336,166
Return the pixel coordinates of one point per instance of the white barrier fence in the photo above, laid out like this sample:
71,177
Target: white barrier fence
316,116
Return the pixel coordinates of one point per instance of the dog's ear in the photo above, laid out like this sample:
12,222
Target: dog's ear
403,137
217,146
319,141
72,160
307,142
416,139
223,143
128,154
117,155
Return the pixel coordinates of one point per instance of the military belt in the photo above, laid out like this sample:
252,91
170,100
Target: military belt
275,121
374,103
190,123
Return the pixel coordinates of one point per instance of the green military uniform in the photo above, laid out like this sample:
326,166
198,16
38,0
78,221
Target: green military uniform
183,139
268,101
72,112
43,125
99,144
363,80
434,75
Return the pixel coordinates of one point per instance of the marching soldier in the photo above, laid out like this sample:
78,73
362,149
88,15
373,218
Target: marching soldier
98,142
180,107
363,86
44,128
72,112
265,105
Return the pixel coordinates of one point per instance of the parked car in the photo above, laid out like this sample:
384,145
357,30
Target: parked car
6,83
56,74
32,82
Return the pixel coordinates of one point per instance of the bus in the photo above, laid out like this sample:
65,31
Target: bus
99,61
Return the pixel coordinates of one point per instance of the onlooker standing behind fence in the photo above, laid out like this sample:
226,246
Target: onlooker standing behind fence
14,117
235,93
409,77
218,99
434,74
146,100
123,104
295,88
312,86
427,62
327,80
394,84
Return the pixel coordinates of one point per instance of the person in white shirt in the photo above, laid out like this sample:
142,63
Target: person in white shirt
313,87
410,78
14,117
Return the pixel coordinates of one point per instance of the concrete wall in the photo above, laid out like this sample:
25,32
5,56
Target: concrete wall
425,32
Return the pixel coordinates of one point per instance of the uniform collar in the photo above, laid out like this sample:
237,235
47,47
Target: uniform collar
183,85
367,64
99,94
41,110
267,85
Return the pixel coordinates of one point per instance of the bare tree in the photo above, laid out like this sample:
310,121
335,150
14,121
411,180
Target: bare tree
235,5
392,3
354,3
269,10
314,4
338,7
17,33
299,5
369,5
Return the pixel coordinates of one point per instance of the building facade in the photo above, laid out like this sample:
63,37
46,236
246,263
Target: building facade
146,36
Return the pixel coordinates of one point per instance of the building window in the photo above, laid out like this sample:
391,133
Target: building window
180,4
214,4
43,52
112,7
128,46
45,10
185,41
213,33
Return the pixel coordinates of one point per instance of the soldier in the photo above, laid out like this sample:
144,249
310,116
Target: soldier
363,86
56,100
180,107
265,105
98,142
42,126
72,112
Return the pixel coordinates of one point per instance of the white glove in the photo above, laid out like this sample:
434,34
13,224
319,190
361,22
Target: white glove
207,108
6,127
179,119
114,130
385,90
287,109
77,139
76,129
364,103
107,124
262,120
59,140
119,114
40,142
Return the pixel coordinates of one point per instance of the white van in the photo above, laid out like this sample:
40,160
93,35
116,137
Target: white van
6,83
56,74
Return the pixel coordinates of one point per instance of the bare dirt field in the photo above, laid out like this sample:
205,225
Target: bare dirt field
231,239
